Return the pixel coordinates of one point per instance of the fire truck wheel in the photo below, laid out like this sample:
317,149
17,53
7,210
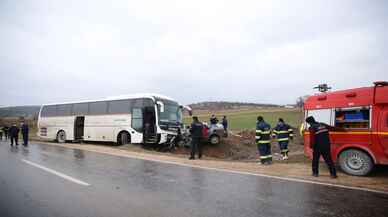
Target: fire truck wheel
355,162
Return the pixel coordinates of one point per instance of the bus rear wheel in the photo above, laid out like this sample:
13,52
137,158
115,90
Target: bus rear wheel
356,162
61,136
123,138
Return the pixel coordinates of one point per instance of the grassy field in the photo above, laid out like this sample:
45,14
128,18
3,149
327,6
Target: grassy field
246,119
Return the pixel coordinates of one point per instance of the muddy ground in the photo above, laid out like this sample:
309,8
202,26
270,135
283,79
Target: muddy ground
240,146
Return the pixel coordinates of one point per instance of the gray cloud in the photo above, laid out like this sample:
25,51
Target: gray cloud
253,51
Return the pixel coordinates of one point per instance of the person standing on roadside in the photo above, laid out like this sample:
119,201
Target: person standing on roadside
14,134
320,143
284,133
225,124
1,133
196,136
6,132
263,141
25,130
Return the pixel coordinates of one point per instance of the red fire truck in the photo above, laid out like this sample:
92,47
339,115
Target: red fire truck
363,115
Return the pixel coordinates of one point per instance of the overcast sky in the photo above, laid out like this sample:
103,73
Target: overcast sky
251,51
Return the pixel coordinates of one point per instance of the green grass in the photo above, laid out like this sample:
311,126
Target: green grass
247,119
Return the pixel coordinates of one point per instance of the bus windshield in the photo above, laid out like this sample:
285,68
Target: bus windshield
172,113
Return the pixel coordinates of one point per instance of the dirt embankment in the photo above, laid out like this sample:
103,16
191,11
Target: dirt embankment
240,146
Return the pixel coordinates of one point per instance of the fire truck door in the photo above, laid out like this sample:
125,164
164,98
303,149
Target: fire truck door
383,130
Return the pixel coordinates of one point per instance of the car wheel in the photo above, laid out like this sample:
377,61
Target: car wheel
355,162
214,140
61,136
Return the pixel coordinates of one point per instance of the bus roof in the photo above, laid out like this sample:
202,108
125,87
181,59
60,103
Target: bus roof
120,97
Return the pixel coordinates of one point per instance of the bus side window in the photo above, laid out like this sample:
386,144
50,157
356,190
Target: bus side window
119,107
80,109
98,108
64,110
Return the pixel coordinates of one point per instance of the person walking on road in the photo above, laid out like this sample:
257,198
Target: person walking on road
14,134
283,132
263,141
196,136
25,130
320,142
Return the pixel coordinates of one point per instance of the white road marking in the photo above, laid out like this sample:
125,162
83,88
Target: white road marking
238,172
263,175
69,178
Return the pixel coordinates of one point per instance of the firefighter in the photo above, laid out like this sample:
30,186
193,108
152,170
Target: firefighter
14,134
283,132
24,128
1,133
263,141
196,136
320,142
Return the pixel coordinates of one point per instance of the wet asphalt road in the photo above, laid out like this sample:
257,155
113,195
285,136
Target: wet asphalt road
121,187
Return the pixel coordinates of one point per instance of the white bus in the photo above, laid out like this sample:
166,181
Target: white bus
141,118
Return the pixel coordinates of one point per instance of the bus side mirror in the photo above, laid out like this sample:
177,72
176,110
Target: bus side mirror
160,106
188,109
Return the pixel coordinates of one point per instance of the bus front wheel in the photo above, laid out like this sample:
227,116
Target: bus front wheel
356,162
61,136
123,138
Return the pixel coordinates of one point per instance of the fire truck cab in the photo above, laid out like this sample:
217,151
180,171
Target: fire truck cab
362,113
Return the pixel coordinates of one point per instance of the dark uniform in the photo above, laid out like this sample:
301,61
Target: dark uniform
263,141
14,134
6,132
320,142
25,134
283,132
213,120
225,123
196,136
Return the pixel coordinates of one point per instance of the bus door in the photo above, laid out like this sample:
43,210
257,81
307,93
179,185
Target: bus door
383,129
79,126
149,123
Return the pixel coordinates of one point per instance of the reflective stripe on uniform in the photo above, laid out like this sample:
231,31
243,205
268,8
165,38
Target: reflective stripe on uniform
258,131
264,141
258,137
283,139
321,131
266,132
265,157
291,135
284,150
283,131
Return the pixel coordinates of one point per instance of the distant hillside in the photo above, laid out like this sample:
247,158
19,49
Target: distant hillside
19,111
221,105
